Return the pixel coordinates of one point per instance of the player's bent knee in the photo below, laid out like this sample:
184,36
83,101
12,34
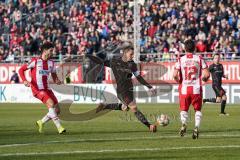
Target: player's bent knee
124,107
133,108
57,109
198,112
219,99
184,113
50,103
224,97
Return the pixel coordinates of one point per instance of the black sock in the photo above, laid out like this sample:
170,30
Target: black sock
142,118
114,106
213,100
223,104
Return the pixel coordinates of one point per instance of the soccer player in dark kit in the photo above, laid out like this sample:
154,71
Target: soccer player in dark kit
217,72
123,67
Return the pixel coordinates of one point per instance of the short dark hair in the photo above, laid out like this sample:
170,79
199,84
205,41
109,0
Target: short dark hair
128,48
46,46
216,54
189,45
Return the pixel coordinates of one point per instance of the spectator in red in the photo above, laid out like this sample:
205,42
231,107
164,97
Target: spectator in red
14,42
81,16
104,6
152,30
200,46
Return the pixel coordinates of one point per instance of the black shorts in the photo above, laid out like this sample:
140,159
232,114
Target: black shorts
126,97
219,91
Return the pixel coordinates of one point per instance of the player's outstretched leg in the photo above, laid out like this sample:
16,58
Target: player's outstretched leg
45,119
223,105
140,116
198,118
111,106
211,100
53,112
40,123
184,118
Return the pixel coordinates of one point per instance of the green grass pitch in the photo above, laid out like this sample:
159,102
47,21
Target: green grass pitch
118,135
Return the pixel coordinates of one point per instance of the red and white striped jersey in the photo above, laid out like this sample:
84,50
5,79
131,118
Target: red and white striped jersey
40,71
190,67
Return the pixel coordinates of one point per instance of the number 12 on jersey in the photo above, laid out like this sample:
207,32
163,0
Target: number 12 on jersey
190,73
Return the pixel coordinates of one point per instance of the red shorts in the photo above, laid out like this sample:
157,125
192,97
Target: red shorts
44,95
187,100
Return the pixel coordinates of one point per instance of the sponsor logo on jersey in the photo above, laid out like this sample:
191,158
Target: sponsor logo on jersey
43,72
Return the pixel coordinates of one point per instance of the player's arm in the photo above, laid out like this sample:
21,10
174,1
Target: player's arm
224,75
176,71
54,75
22,70
205,71
137,74
99,60
210,68
176,75
55,79
142,80
206,75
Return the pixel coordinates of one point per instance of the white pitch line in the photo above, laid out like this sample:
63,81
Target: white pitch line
116,150
109,139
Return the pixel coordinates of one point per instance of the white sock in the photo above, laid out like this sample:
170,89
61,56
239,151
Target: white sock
198,117
52,113
45,119
184,117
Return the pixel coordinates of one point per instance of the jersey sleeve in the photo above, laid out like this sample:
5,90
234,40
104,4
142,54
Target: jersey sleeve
223,75
31,64
25,67
21,71
134,69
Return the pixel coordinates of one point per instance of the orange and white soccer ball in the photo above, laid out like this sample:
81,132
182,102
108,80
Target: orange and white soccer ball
163,120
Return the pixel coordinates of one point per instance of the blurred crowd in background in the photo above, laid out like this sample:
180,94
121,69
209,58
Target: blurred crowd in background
79,27
213,24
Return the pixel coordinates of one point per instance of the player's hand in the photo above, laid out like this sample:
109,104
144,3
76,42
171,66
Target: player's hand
152,91
26,83
205,79
226,76
58,82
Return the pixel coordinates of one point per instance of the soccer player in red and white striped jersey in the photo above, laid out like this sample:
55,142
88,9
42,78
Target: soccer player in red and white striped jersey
188,72
41,68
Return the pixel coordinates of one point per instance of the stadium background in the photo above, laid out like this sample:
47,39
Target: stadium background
92,27
95,27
